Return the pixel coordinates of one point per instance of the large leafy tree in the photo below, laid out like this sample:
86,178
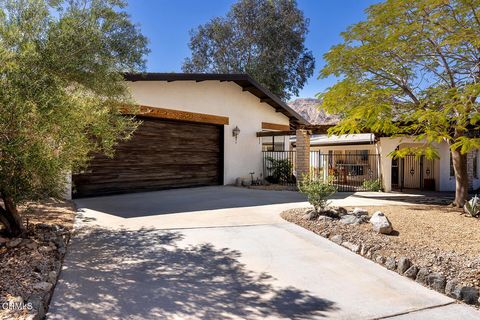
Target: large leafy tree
412,68
264,38
61,92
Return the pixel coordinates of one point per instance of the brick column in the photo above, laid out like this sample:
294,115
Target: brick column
302,160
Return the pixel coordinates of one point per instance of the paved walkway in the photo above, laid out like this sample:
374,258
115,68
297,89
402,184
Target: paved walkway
223,252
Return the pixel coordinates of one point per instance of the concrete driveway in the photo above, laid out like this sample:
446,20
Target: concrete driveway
224,252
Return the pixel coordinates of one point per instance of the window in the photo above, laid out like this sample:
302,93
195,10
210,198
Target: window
273,143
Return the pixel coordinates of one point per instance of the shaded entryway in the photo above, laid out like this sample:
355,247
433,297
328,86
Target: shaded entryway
413,172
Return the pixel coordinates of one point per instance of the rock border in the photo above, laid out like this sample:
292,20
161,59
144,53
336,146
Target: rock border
404,266
46,239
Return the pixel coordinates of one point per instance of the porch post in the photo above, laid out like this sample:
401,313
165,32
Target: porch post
302,153
387,145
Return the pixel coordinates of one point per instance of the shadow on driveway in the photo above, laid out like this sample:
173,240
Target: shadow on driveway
185,200
146,274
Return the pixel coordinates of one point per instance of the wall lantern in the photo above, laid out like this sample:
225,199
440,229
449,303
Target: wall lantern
427,172
235,133
412,172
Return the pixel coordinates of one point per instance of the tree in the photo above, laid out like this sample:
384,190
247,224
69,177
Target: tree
61,94
263,38
412,68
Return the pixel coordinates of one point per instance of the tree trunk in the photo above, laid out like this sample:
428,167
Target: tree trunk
10,218
461,178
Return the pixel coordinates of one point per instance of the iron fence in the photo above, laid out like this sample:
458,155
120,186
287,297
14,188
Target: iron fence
279,167
349,171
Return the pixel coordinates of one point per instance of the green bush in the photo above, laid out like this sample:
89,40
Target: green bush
280,171
318,192
372,185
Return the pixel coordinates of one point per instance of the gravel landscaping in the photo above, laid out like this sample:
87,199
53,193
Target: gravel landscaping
30,265
437,246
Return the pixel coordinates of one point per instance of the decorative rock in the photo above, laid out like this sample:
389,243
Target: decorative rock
403,264
469,295
37,304
341,211
45,249
451,289
32,245
359,212
350,219
380,223
338,239
351,246
422,275
52,277
390,263
324,218
14,242
325,234
43,286
411,272
311,215
369,254
436,281
380,259
364,249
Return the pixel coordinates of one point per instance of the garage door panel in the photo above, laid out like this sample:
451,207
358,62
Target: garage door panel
162,154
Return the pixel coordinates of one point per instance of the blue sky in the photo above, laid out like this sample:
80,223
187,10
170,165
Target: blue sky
167,23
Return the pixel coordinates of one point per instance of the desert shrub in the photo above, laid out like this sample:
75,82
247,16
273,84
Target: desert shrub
472,207
318,191
280,171
372,185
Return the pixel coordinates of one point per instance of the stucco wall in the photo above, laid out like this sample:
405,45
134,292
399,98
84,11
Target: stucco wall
222,99
443,180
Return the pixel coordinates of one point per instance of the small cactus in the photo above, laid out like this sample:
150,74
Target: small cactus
472,207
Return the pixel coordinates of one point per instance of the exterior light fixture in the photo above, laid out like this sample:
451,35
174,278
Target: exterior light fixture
235,133
427,172
412,171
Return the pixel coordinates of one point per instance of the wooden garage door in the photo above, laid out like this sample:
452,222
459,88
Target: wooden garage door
162,154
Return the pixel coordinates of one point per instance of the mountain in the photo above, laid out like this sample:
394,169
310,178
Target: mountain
307,108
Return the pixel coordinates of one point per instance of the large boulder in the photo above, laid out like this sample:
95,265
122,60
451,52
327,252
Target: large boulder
380,223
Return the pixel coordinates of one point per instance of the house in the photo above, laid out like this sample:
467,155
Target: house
353,159
197,130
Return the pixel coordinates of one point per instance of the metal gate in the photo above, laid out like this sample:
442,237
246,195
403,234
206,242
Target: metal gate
350,171
413,172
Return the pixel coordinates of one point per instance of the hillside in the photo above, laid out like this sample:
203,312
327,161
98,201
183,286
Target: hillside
307,108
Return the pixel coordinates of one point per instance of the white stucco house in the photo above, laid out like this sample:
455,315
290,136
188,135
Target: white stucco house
210,129
197,129
366,156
